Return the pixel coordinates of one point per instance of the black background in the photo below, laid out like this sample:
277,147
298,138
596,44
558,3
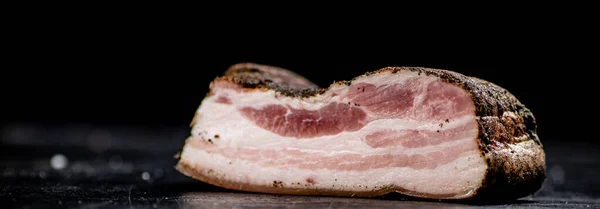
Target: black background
127,72
74,82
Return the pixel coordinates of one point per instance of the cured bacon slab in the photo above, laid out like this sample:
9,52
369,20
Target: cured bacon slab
422,132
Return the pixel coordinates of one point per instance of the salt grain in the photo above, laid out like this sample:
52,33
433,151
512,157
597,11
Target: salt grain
59,162
146,176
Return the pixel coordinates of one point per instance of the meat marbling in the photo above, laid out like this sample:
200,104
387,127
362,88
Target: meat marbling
421,132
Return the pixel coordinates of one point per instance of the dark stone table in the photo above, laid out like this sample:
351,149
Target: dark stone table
83,166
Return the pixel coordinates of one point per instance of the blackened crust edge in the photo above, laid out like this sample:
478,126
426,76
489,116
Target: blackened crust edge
506,126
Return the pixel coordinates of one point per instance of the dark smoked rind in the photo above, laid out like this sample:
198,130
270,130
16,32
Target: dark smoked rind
506,126
511,173
286,82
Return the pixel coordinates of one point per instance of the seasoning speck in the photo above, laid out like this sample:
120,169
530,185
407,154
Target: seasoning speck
277,184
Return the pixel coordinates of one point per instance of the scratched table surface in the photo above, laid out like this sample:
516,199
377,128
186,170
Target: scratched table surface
83,166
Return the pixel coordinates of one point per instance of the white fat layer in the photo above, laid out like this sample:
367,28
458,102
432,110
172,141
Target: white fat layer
461,176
